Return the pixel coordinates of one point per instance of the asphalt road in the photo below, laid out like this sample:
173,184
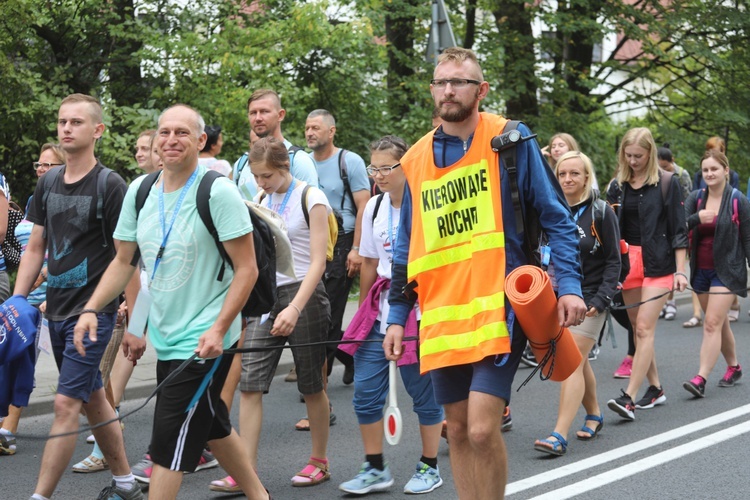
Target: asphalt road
685,449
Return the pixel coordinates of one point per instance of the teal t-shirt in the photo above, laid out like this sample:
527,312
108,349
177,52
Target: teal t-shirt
329,181
186,295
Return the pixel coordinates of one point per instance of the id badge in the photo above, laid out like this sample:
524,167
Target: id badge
545,254
139,316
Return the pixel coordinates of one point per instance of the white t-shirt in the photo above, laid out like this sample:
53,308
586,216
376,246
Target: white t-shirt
221,166
377,242
297,230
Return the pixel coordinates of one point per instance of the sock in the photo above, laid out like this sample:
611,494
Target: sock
97,452
321,460
126,482
432,462
6,432
37,496
376,461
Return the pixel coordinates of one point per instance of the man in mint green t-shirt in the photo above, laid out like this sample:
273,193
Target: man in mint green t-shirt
190,311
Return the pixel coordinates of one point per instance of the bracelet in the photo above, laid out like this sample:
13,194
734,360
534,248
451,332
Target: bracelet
299,311
681,274
88,311
355,248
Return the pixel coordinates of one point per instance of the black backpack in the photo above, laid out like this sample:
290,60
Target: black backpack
48,180
263,296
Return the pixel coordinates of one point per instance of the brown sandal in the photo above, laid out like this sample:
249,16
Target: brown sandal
315,472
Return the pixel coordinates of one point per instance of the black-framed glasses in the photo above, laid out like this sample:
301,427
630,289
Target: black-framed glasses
384,171
37,165
456,83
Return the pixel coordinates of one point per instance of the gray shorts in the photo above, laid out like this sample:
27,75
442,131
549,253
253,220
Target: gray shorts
258,368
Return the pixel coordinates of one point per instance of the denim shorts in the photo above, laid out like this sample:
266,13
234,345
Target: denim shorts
704,279
371,384
80,376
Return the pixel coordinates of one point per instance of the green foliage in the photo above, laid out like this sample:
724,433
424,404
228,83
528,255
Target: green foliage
689,72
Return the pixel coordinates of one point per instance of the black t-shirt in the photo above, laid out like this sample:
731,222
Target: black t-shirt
631,227
78,252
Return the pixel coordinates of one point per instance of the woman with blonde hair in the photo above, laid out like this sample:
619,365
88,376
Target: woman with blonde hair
652,222
719,218
600,263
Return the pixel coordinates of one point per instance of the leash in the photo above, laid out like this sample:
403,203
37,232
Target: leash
178,370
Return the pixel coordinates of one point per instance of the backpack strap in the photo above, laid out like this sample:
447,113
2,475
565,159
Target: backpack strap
598,209
345,179
508,156
204,211
699,199
140,199
293,150
101,191
665,179
48,181
377,207
241,164
305,212
735,206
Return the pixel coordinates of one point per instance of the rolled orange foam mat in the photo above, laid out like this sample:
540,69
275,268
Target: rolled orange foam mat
529,291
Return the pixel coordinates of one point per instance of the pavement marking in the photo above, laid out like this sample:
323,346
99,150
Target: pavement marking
645,464
617,453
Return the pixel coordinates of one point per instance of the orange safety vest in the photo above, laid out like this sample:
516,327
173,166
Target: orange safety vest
457,251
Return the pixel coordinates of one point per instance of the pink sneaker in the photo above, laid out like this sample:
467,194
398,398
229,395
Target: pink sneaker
625,368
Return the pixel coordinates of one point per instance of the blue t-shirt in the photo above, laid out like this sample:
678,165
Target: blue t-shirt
329,177
187,297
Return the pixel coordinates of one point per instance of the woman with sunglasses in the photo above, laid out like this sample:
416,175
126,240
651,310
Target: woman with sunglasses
379,228
600,262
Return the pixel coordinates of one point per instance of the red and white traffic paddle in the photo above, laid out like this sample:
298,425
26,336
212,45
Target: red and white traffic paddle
392,423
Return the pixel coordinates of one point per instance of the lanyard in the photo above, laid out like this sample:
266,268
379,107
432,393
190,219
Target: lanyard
393,233
286,197
162,218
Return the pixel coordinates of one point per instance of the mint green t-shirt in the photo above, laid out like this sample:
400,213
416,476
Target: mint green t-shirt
186,295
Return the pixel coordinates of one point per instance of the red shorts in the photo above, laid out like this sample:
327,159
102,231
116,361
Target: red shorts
635,278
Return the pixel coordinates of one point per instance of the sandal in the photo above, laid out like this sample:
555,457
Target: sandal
733,314
226,485
670,311
556,448
91,464
315,472
692,322
592,433
304,422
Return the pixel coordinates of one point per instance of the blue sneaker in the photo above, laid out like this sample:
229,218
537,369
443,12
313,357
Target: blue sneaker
424,480
368,479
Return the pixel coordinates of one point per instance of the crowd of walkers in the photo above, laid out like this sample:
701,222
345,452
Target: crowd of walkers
652,231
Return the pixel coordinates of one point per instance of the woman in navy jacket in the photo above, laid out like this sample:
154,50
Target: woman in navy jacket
652,222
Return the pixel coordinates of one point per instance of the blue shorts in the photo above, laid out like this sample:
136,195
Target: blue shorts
80,376
453,384
371,384
704,279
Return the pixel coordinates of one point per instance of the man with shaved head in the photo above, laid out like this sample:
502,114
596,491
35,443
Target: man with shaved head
180,257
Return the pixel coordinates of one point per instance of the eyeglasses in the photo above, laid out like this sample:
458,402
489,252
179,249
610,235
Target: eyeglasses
37,165
456,83
384,171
